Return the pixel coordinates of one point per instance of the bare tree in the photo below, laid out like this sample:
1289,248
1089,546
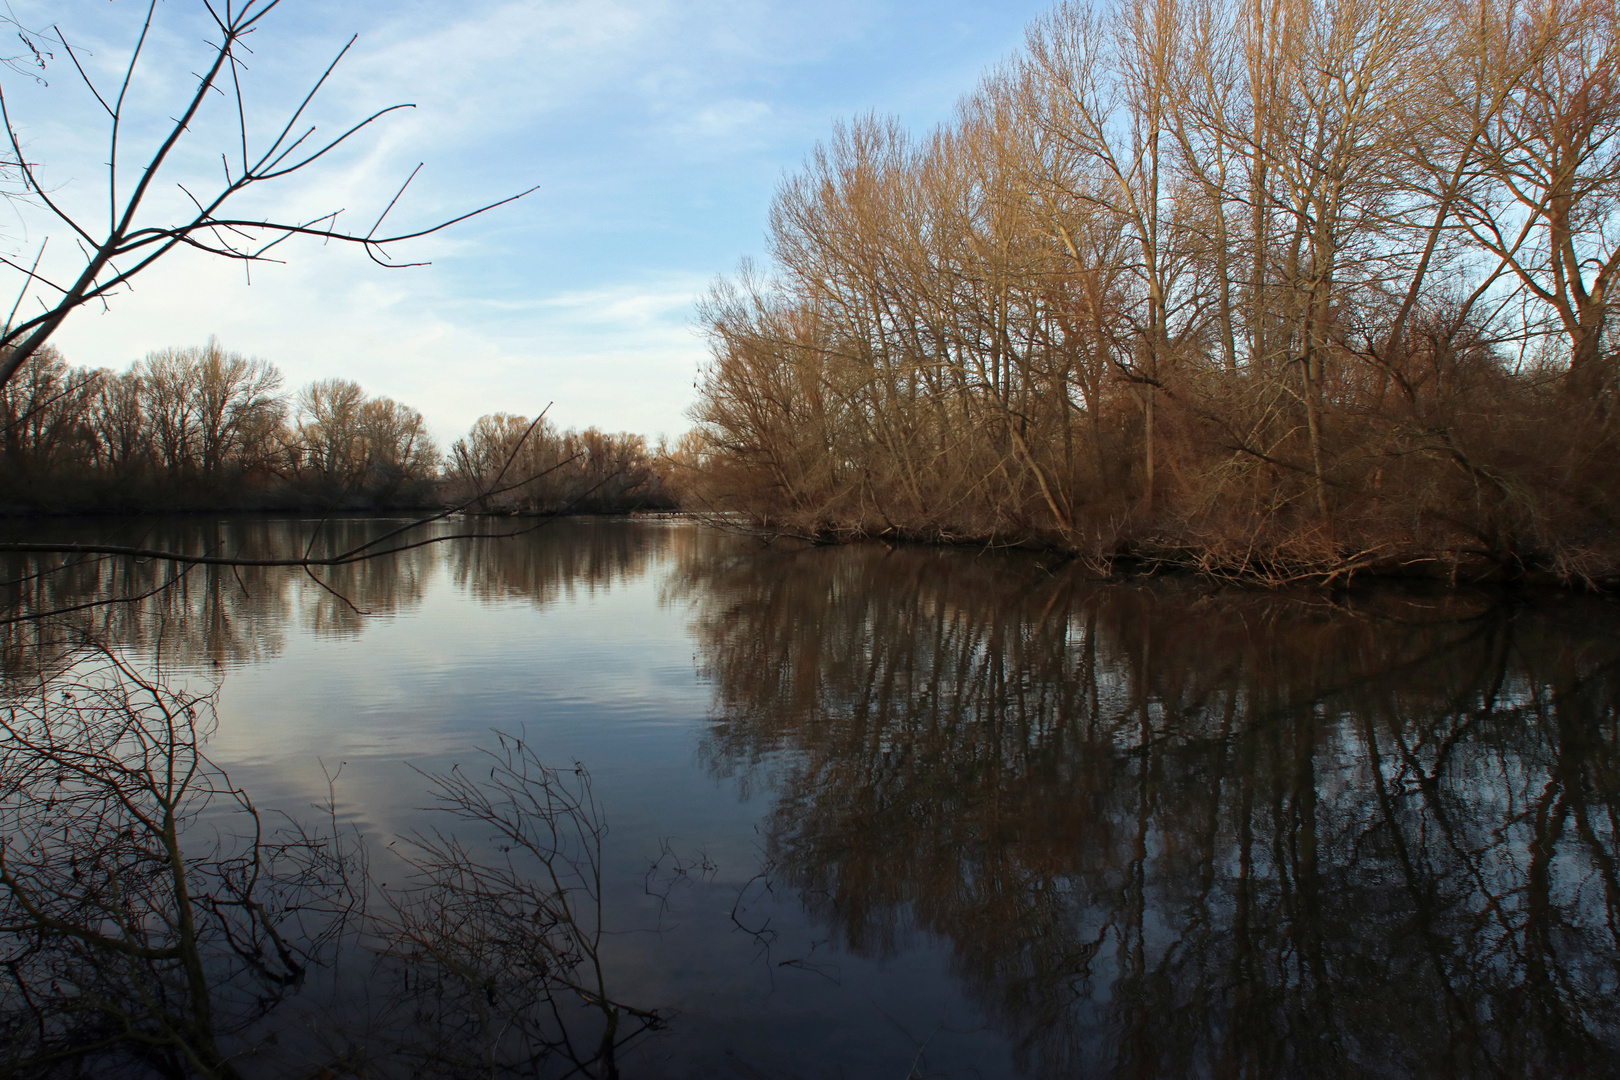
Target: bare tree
169,379
152,917
44,412
238,410
1266,256
122,437
123,936
1541,83
502,935
132,237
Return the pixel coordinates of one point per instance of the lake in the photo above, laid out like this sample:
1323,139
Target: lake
878,811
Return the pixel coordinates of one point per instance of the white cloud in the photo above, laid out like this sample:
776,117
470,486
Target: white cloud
620,357
624,304
657,129
724,120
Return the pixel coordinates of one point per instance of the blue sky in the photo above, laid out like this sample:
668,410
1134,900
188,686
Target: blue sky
656,130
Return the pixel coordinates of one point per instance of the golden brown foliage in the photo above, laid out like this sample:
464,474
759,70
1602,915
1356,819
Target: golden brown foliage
1271,287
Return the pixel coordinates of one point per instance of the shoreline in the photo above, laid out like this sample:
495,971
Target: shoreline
1449,571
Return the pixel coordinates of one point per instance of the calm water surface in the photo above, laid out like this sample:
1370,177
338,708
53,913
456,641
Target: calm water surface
948,813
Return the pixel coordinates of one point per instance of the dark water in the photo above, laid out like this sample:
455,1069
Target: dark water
914,812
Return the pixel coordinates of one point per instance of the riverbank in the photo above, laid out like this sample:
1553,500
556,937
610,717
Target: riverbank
424,499
1458,567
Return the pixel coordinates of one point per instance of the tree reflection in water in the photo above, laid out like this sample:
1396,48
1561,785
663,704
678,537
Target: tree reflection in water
155,922
150,913
222,616
1169,830
1165,830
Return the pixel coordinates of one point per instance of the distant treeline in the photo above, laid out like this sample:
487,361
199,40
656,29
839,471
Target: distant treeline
512,464
1275,287
203,428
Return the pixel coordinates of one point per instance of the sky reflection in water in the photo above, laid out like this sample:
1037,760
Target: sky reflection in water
1017,821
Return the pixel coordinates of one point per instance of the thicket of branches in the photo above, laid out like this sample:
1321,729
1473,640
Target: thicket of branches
195,428
512,464
1269,286
155,922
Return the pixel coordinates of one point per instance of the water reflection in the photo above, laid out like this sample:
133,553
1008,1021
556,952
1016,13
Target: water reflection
155,921
552,564
1169,831
223,616
1161,830
151,915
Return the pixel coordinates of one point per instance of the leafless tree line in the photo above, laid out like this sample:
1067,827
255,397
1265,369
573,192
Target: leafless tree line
187,427
1274,287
